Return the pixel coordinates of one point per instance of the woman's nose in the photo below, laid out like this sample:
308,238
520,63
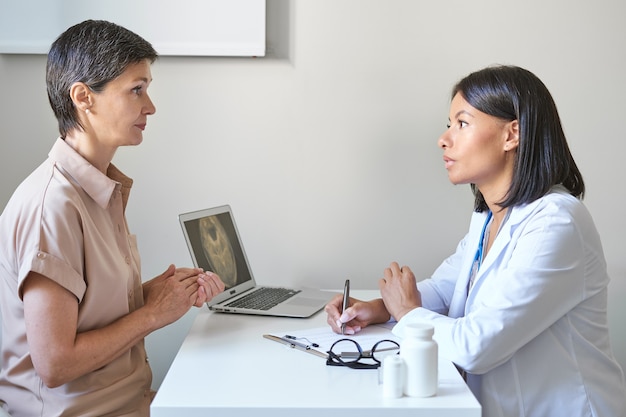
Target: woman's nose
443,140
150,108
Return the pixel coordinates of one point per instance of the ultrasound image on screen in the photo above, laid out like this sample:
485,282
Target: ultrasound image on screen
217,249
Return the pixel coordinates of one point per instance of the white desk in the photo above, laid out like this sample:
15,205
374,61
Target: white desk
226,368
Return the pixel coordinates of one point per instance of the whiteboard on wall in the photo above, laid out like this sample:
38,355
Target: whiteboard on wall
174,27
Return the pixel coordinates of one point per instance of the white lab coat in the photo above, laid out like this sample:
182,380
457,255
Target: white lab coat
532,333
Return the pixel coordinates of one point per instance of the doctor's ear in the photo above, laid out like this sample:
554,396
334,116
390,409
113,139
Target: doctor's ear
512,139
81,96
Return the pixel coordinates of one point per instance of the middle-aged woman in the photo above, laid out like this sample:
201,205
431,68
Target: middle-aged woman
521,306
74,309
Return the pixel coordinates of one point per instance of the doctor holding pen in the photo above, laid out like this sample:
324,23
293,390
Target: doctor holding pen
521,306
74,309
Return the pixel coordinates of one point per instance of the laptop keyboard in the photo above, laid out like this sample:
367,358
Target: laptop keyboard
263,298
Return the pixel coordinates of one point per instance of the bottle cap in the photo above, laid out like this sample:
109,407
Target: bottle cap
420,330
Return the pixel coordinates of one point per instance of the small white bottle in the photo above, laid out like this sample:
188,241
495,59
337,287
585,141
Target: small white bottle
419,352
393,376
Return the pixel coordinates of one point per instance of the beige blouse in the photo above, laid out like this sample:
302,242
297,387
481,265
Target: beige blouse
66,221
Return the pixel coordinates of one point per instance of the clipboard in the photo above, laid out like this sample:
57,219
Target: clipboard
295,344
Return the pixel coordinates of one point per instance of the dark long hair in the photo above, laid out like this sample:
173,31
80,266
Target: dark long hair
94,52
543,158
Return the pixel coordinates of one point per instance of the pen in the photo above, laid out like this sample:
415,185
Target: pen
346,298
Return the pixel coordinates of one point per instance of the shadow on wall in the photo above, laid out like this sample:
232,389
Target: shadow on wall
278,32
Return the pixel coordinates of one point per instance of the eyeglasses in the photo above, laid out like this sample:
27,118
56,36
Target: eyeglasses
347,352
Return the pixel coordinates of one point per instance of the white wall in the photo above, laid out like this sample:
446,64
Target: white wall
326,149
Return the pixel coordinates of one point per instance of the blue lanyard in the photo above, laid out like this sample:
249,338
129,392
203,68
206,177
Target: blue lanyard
478,258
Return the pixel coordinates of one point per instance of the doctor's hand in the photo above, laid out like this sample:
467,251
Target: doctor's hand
399,290
358,315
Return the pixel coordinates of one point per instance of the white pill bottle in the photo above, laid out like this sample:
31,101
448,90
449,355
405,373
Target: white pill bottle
419,352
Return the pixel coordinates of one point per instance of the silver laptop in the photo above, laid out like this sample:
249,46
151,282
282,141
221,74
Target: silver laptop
215,245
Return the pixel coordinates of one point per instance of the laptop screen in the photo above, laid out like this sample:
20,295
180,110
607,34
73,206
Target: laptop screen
214,241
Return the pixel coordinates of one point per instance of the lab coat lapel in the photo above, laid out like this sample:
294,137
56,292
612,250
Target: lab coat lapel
502,241
457,304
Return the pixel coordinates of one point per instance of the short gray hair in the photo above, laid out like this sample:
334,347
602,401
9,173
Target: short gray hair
94,52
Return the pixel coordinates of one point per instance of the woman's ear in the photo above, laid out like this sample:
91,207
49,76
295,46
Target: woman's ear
512,139
81,95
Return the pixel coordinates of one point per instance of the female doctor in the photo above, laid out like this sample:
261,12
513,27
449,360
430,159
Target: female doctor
521,306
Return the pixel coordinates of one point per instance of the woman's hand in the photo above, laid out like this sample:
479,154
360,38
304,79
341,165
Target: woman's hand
358,315
170,295
209,285
399,290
